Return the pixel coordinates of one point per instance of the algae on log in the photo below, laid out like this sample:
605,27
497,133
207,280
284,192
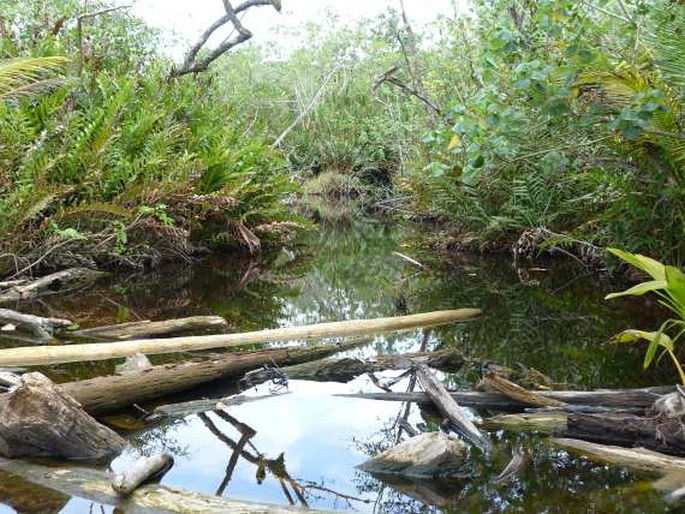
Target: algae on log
110,393
46,355
38,419
94,485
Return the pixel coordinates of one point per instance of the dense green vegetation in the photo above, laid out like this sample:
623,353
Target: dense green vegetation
113,162
558,120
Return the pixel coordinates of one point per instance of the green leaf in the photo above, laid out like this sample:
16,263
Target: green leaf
640,289
650,266
656,340
675,280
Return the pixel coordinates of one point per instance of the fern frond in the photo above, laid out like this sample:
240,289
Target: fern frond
24,76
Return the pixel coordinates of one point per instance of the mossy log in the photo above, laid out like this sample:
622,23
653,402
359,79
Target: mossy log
146,328
47,355
665,435
343,370
105,394
37,419
94,485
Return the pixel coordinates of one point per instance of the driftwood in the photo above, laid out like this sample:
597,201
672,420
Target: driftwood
508,388
26,356
37,419
106,394
344,370
146,328
55,282
143,470
544,422
449,407
41,328
94,485
666,435
428,455
634,458
618,398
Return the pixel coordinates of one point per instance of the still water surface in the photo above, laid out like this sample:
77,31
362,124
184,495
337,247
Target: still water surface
308,441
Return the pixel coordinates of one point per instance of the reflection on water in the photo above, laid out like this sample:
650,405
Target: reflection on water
301,448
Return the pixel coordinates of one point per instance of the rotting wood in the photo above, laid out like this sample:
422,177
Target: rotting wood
52,283
146,328
110,393
38,419
94,485
508,388
660,434
346,369
619,398
634,458
450,408
33,356
143,470
428,455
42,328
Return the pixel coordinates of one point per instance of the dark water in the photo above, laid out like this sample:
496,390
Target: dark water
552,319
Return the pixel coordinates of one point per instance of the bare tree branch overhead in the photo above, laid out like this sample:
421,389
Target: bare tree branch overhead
194,64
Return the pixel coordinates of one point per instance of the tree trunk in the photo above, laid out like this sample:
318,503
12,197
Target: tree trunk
32,356
39,420
42,328
136,329
105,394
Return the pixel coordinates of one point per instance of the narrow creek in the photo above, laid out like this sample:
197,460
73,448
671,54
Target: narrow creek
308,441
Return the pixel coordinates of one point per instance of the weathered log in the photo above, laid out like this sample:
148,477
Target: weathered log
94,485
146,328
428,455
38,419
508,388
634,458
142,471
449,407
27,356
52,283
41,328
666,435
619,398
106,394
344,370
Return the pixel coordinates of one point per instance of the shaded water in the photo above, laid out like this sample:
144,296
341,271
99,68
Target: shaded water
551,319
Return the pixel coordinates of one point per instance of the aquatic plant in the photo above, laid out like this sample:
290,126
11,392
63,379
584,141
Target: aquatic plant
668,283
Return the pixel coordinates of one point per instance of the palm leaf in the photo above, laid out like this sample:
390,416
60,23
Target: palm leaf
24,76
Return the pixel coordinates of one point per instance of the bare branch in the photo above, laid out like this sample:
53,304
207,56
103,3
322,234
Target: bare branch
191,64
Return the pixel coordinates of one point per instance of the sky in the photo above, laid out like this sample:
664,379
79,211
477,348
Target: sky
182,21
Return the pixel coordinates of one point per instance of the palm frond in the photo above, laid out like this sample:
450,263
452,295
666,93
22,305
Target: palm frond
24,76
669,41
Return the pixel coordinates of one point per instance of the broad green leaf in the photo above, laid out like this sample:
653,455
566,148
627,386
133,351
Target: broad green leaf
650,266
675,280
640,289
656,340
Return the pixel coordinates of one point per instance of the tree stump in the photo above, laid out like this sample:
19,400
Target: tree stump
37,419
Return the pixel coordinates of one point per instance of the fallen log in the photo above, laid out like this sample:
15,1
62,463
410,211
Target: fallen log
544,422
94,485
618,398
41,328
146,328
32,356
498,383
142,471
184,409
450,408
634,458
49,284
428,455
666,435
110,393
346,369
26,497
38,419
